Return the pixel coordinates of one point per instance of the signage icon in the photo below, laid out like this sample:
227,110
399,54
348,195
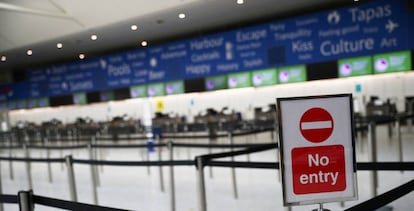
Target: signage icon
334,17
316,125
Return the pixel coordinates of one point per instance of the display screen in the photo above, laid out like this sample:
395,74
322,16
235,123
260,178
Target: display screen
392,62
264,77
138,91
239,80
79,99
174,87
291,74
216,82
156,89
355,66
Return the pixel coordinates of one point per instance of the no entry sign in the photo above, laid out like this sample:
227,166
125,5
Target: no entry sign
316,125
317,149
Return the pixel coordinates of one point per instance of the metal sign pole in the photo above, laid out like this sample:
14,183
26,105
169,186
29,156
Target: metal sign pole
71,178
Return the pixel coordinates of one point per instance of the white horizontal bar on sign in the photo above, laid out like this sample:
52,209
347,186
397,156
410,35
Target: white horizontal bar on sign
316,125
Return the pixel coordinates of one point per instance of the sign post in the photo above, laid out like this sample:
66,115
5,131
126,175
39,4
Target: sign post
317,149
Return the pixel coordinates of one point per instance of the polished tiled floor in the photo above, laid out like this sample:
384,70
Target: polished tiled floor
136,188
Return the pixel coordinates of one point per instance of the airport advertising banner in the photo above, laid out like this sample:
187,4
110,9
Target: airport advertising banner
392,62
291,74
360,30
264,77
239,80
355,66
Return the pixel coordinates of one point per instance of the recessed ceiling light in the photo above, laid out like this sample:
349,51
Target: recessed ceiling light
134,27
94,37
81,56
59,45
144,43
240,1
3,58
181,15
29,52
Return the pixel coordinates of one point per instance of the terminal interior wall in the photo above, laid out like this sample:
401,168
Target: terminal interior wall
394,86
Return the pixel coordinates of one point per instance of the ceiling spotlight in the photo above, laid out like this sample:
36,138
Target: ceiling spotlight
81,56
240,1
181,15
144,43
134,27
3,58
29,52
94,37
59,45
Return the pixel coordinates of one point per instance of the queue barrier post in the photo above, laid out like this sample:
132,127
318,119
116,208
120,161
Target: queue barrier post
49,165
233,170
201,184
71,178
172,180
93,176
1,190
26,200
161,172
373,156
28,167
11,170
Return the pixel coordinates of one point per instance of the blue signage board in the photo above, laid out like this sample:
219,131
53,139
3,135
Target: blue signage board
364,29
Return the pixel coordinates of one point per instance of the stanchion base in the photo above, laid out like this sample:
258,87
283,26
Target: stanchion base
321,209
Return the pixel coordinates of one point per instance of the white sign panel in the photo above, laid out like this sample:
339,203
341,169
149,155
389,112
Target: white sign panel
317,149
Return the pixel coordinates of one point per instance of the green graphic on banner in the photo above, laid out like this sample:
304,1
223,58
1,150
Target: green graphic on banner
138,91
107,96
154,90
291,74
264,77
174,87
43,102
80,99
355,66
392,62
21,104
216,82
239,80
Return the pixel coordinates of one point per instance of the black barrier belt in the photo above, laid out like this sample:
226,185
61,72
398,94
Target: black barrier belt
220,145
253,132
382,166
386,166
240,152
192,137
82,146
7,198
46,160
237,164
136,163
127,145
69,205
385,198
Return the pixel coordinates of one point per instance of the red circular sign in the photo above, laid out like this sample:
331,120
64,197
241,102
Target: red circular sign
316,125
